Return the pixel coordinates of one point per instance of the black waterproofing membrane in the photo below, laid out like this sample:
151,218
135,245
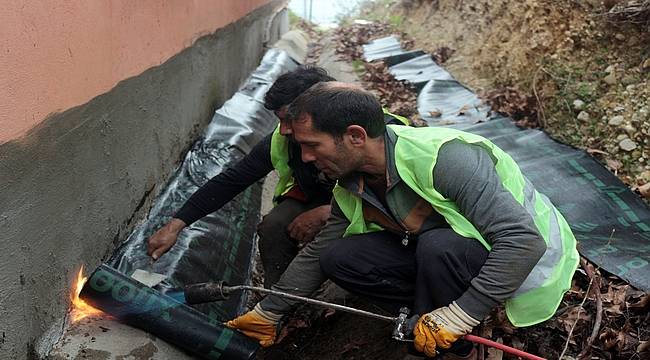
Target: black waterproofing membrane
611,223
141,306
220,245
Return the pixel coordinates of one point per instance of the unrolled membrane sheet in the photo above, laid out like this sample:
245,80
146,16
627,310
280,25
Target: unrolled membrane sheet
382,48
419,70
219,246
447,102
611,223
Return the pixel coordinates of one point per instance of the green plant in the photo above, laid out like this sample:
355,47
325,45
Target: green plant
396,20
358,67
293,18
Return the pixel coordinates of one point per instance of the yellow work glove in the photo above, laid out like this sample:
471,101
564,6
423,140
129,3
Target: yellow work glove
258,324
441,327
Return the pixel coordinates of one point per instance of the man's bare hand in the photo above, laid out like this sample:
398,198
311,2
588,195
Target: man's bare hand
306,225
164,238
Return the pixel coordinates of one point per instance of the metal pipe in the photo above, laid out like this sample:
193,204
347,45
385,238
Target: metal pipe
310,301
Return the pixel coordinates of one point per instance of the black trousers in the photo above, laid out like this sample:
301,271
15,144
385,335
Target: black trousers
433,270
277,248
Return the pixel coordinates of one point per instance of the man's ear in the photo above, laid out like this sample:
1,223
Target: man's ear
356,134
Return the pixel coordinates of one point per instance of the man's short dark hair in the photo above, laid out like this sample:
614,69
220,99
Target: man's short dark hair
291,84
335,106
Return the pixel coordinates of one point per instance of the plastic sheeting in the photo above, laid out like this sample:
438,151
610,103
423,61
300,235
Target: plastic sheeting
611,223
447,102
219,246
419,70
382,48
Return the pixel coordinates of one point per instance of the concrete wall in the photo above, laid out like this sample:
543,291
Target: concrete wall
75,183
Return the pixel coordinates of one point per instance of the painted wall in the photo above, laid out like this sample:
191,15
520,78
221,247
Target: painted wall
60,54
77,182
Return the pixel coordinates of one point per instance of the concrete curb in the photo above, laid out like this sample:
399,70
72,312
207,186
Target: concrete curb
295,43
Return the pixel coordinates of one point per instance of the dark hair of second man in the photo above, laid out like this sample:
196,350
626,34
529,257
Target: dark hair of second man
291,84
334,107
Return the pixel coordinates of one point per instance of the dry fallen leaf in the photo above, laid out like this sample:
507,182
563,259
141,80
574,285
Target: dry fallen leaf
643,346
596,151
614,164
575,313
435,113
493,353
645,190
642,305
328,312
464,109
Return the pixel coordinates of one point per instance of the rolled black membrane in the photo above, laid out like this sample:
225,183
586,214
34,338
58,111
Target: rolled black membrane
611,223
141,306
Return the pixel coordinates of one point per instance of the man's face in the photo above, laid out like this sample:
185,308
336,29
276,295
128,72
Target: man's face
335,157
285,124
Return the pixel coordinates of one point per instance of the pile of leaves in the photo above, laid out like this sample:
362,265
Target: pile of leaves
601,317
350,38
442,54
520,107
399,97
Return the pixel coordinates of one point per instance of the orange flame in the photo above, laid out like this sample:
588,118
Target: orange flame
80,309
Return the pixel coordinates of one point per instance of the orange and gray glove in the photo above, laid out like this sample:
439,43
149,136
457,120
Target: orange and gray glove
258,324
441,327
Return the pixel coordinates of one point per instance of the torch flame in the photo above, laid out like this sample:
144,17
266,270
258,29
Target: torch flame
80,309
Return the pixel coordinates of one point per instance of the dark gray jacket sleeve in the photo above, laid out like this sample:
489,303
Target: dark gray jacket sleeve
304,276
466,174
225,186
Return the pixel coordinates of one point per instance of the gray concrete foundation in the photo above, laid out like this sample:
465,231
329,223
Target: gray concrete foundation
73,187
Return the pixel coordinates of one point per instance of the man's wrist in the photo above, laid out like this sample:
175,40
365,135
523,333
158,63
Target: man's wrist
267,315
176,225
325,211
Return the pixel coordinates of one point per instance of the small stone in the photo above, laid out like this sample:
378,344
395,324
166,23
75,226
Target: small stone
630,87
628,80
620,37
610,79
621,137
646,65
578,104
619,108
583,116
616,120
645,175
609,69
627,145
629,129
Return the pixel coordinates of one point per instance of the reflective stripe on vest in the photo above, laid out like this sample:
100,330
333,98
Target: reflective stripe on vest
416,152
